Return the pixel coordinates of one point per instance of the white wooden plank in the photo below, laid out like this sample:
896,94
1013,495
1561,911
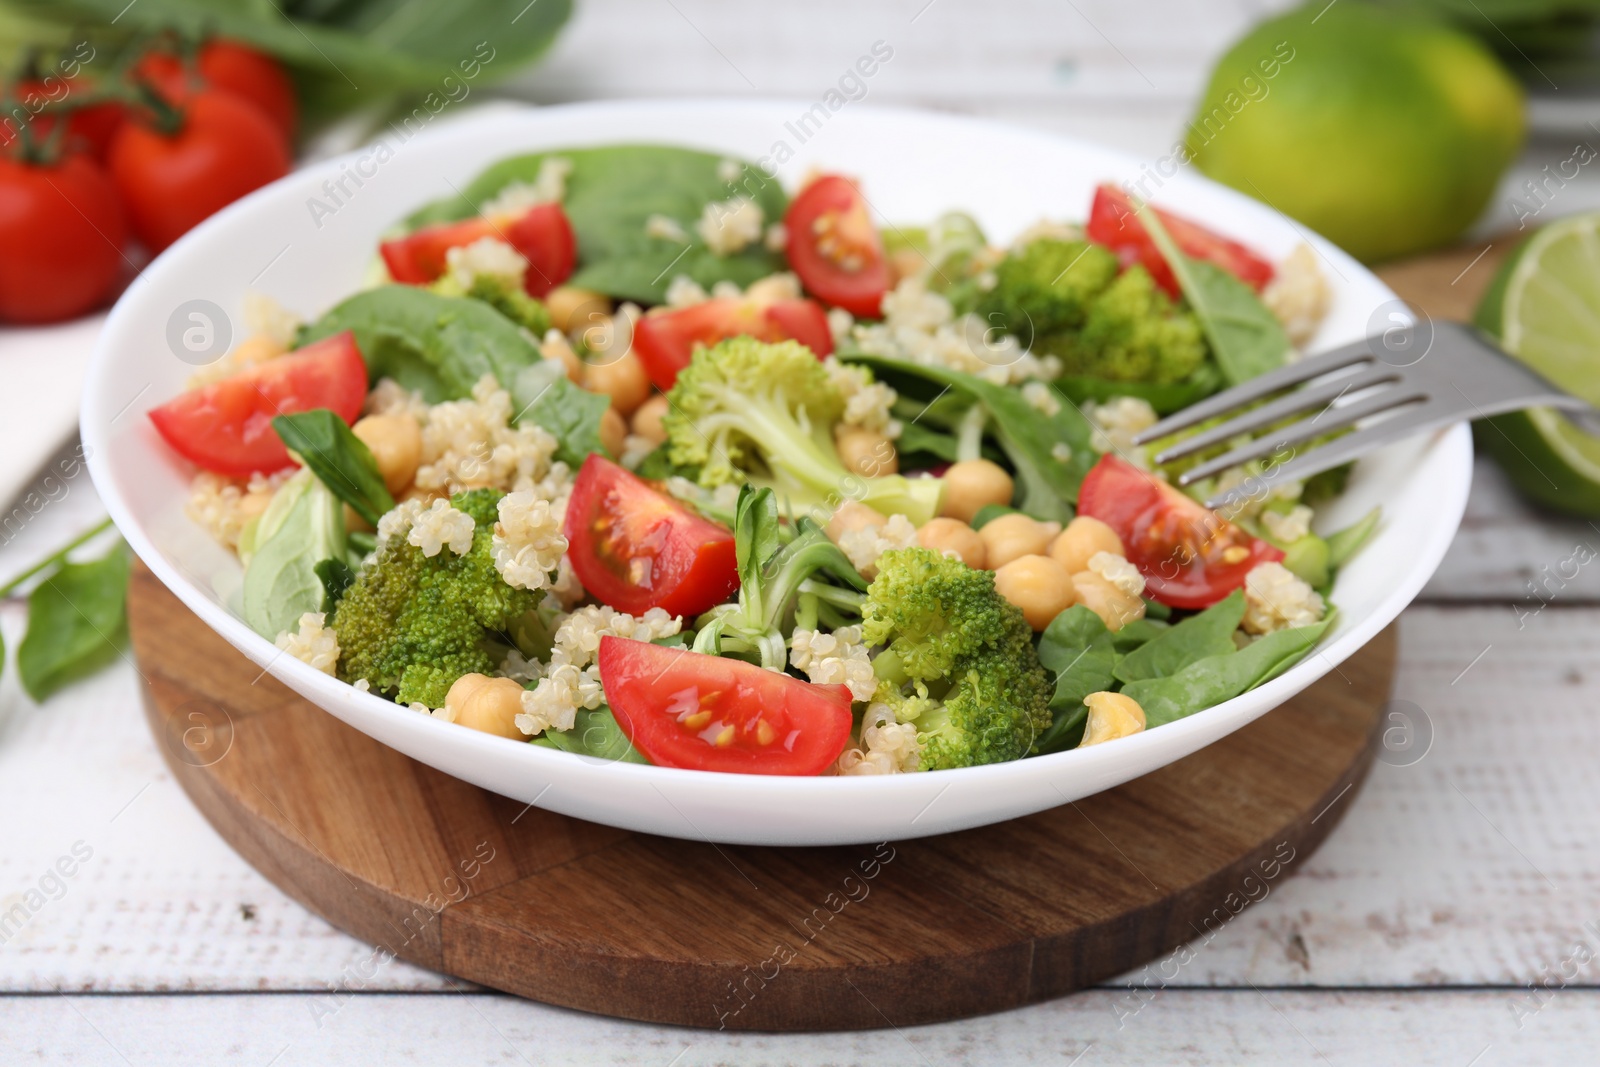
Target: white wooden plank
1511,550
1237,1028
944,50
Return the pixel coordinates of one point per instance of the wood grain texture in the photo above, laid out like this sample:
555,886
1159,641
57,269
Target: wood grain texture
439,873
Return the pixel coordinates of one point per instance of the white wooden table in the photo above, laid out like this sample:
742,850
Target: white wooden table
1453,882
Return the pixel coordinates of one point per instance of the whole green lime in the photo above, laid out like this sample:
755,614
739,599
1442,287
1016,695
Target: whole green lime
1382,130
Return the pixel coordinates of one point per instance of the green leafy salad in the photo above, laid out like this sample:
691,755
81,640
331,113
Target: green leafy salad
631,453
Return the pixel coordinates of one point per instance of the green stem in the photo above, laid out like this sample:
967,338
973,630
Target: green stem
56,557
969,443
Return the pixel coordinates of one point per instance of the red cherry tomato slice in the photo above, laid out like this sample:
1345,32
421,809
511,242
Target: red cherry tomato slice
542,233
834,247
705,713
1190,557
61,236
226,426
1112,222
636,548
665,340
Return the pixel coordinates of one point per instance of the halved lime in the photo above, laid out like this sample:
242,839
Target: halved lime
1544,306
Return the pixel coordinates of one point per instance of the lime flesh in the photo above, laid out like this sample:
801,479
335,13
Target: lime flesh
1545,307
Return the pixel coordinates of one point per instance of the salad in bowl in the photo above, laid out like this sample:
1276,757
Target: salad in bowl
631,452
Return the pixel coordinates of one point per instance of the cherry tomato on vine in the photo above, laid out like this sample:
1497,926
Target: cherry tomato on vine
233,68
62,231
221,149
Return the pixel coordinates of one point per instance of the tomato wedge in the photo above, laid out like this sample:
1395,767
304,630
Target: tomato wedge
1112,222
705,713
665,341
1190,557
226,426
542,233
834,247
637,548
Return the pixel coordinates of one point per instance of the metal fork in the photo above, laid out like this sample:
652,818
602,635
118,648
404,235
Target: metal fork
1381,386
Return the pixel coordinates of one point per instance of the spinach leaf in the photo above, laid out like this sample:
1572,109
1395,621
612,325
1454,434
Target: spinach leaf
281,581
1164,398
610,194
1209,633
594,733
543,395
437,345
757,536
339,459
344,53
1137,632
441,346
1077,648
1212,680
77,623
1046,486
336,576
1246,338
1348,541
916,438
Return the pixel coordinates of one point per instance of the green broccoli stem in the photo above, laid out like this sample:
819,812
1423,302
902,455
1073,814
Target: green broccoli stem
808,472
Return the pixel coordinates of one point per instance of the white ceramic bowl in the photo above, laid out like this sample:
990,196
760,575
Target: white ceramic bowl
913,165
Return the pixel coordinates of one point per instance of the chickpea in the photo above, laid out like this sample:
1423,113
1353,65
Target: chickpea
1016,535
252,504
1111,715
971,484
396,443
556,346
1115,607
1083,537
492,706
462,688
852,515
571,307
952,535
1038,585
906,263
613,431
867,452
647,419
780,286
622,378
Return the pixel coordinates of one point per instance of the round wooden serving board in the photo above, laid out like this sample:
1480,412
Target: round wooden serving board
454,878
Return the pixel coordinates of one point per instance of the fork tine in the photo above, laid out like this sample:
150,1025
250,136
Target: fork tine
1258,387
1304,430
1292,403
1336,452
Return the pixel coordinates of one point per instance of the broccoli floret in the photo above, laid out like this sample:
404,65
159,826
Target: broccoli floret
504,296
746,411
1133,333
412,624
958,660
1047,287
